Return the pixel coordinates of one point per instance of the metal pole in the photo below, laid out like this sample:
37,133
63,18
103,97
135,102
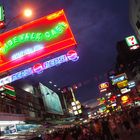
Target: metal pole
64,101
73,96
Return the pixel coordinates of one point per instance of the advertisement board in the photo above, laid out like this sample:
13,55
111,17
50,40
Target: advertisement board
103,86
122,84
35,40
51,100
8,91
39,67
118,78
132,42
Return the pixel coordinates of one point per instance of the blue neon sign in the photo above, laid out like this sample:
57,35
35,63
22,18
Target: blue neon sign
56,61
27,51
118,78
21,74
131,84
36,68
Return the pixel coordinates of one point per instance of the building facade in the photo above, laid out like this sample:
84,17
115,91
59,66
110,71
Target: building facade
134,16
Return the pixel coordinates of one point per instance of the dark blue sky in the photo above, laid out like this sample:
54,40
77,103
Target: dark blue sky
97,26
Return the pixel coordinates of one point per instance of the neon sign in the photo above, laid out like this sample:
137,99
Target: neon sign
135,47
131,40
39,67
131,84
1,13
103,86
118,78
36,37
125,98
27,51
122,84
72,55
53,31
132,43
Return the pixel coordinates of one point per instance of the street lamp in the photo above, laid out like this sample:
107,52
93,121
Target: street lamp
27,13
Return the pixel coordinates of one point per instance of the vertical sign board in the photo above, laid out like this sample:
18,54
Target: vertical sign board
35,40
1,13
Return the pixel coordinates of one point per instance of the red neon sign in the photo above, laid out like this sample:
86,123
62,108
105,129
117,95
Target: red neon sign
18,46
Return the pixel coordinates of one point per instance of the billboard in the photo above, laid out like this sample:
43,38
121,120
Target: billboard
125,90
132,42
118,78
122,84
1,13
131,84
8,91
103,87
39,67
35,40
51,100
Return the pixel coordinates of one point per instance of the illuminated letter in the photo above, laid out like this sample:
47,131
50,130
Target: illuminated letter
15,39
21,37
10,43
39,37
53,32
47,36
33,36
27,37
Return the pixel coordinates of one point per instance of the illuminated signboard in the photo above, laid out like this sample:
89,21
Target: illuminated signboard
134,47
35,40
51,100
102,109
118,78
39,67
1,13
101,100
125,99
125,90
8,91
131,84
103,86
132,42
122,84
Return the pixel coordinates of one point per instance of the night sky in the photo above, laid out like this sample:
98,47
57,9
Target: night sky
97,26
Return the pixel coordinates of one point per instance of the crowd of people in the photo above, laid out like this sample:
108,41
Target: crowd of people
110,127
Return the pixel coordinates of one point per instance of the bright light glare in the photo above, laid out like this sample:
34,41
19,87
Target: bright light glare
74,107
11,122
28,13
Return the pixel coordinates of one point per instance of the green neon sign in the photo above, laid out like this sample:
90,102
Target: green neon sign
131,40
1,13
34,37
